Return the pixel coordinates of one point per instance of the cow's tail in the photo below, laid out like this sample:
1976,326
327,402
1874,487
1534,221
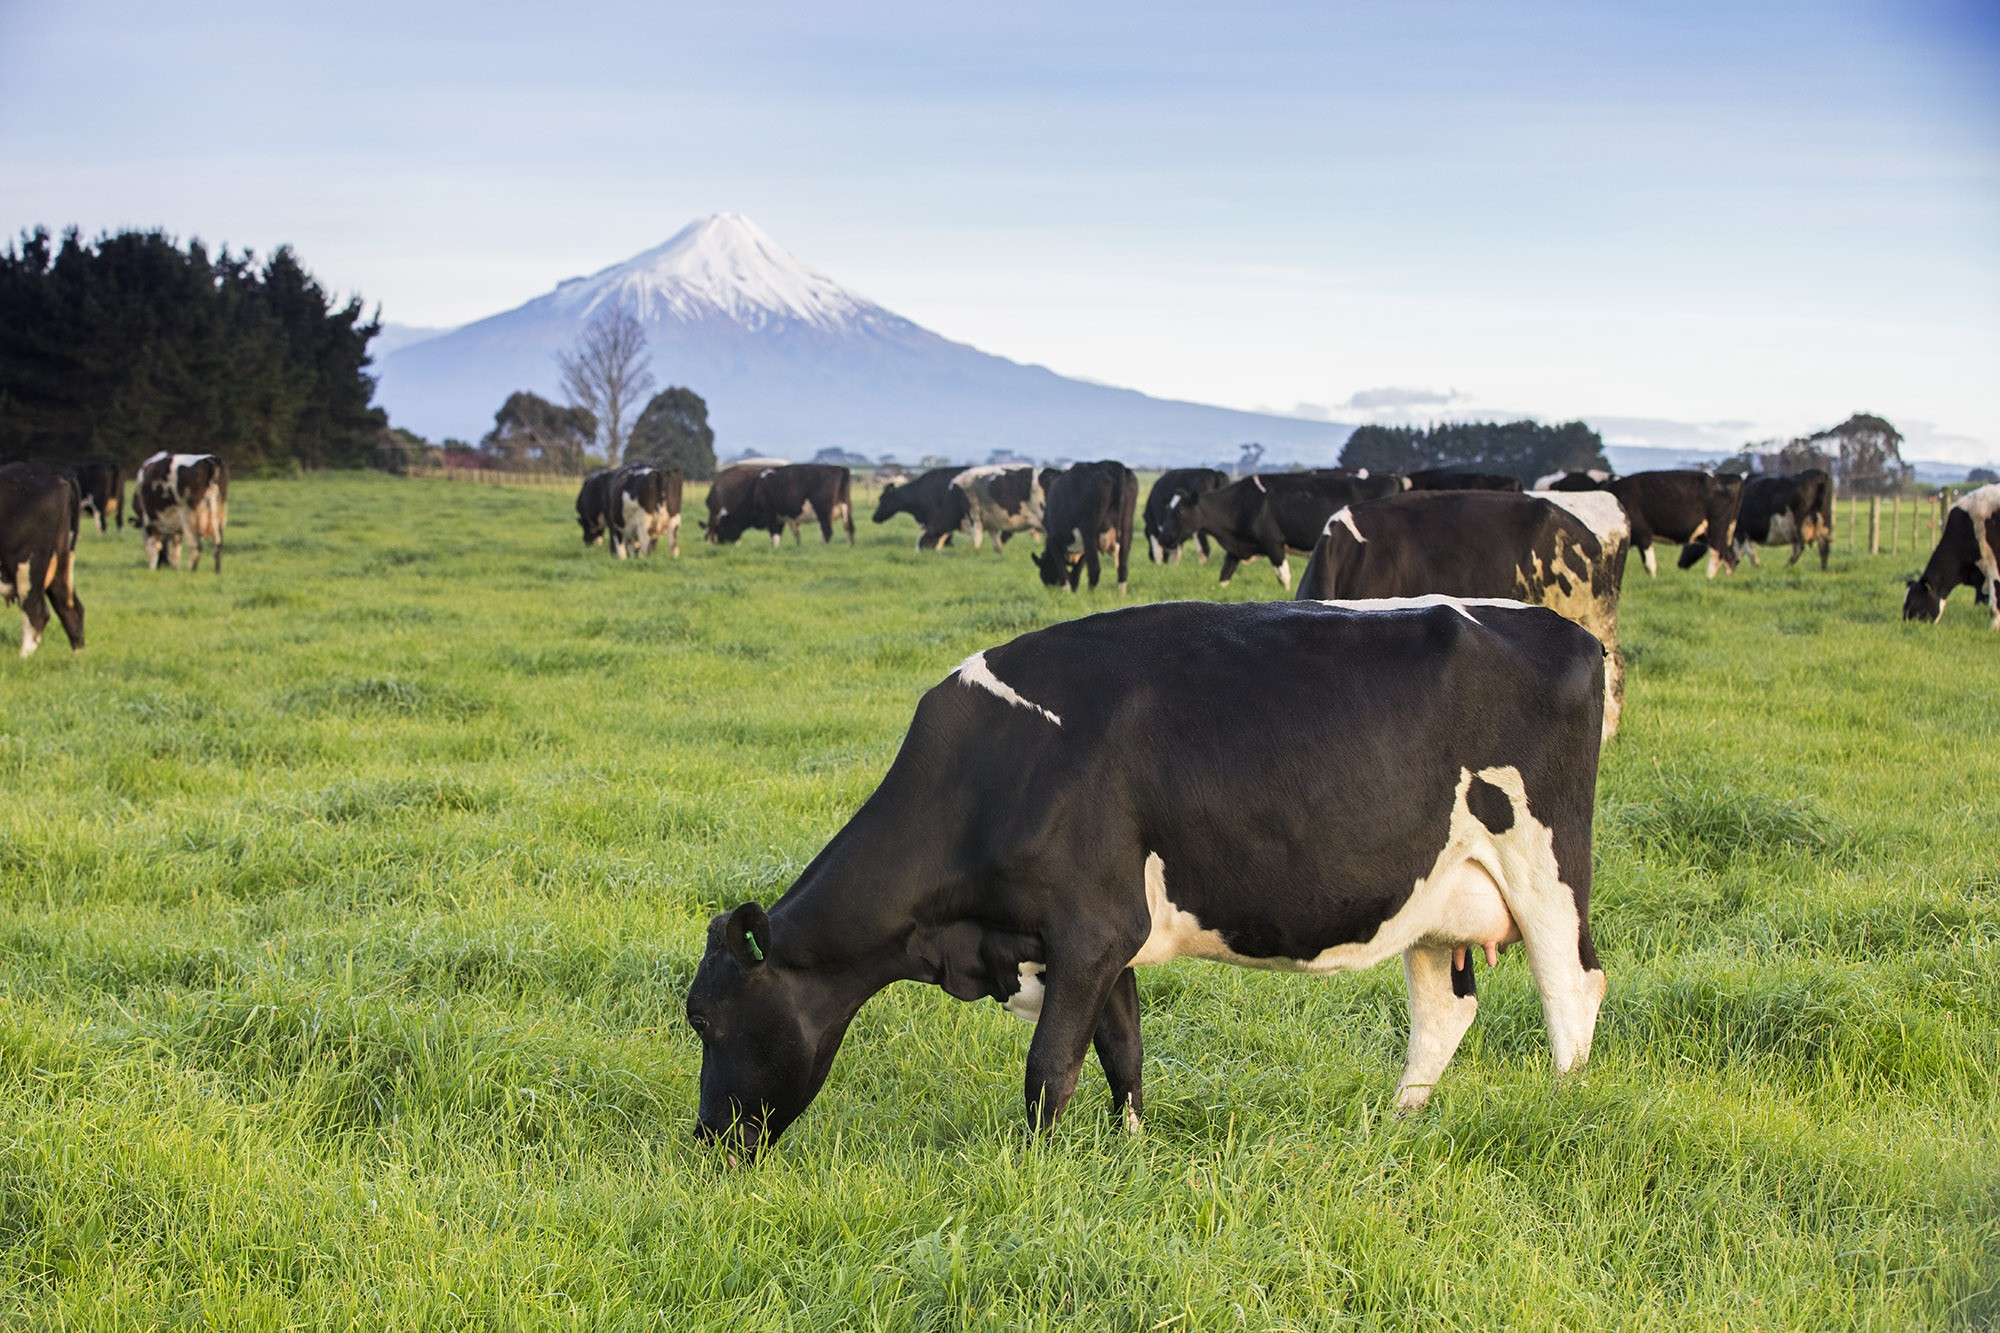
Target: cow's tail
847,503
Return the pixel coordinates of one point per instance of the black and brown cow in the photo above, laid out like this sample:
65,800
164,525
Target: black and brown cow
40,509
1271,515
1794,510
772,498
180,500
1968,553
590,509
102,483
1293,786
1176,487
939,507
1461,479
1089,512
642,503
1002,499
1681,507
1559,549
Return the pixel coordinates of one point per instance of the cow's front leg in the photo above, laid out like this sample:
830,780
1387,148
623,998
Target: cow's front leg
1438,1020
1120,1052
1077,985
1229,564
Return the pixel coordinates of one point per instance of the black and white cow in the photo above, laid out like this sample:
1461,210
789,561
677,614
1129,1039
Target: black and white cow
1089,512
1681,507
743,498
642,503
939,507
1458,479
1176,487
1002,500
40,510
1558,549
1270,516
590,505
1108,793
178,500
1968,552
1591,479
103,486
1794,510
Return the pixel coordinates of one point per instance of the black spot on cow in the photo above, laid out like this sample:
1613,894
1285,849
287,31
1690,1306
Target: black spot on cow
1490,806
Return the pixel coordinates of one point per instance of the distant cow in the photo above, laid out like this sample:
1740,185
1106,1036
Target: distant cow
1968,552
1681,507
1559,549
1592,479
178,500
1002,500
103,486
771,498
1288,786
1456,479
642,502
1177,487
1089,512
40,508
939,507
590,506
1794,511
1272,515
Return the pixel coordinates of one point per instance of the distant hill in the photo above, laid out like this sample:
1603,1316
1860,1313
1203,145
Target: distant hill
790,362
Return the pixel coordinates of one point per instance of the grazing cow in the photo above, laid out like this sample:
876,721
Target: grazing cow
40,510
1454,479
1180,486
181,499
1186,780
939,507
103,486
590,505
642,502
1794,511
1002,500
1592,479
772,497
1968,552
1682,507
1089,512
1270,516
1561,550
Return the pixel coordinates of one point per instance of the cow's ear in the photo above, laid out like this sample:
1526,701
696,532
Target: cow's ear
748,934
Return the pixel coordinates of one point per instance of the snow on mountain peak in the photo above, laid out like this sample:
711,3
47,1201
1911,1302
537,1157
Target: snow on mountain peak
722,265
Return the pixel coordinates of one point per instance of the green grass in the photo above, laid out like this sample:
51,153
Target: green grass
348,901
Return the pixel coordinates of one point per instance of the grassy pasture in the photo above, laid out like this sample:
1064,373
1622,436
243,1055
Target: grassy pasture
347,904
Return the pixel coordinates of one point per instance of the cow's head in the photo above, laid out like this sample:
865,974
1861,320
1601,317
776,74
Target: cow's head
890,505
768,1032
1059,565
1177,520
1920,603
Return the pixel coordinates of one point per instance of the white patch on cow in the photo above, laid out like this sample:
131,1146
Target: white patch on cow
1362,473
974,671
1783,530
1026,1003
1174,502
1345,517
1285,573
1260,482
632,527
1713,561
1462,605
1699,528
1438,1023
1597,510
1157,551
1132,1122
1651,562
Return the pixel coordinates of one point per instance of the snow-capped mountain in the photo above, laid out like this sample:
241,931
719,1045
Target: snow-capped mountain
791,362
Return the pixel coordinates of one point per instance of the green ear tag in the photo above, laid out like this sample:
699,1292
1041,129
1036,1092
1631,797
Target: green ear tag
751,940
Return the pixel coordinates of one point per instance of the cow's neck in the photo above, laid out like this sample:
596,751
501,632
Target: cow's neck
849,918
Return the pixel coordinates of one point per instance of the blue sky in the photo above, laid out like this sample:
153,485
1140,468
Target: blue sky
1687,221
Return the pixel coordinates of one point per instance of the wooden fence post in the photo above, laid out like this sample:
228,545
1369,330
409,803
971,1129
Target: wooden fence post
1895,523
1874,525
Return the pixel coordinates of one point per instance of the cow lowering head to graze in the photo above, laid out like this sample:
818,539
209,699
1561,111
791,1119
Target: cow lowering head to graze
1180,780
1089,512
939,507
179,500
642,503
40,509
1271,515
1002,500
590,505
1175,488
771,498
1681,507
102,484
1592,479
1562,550
1794,510
1459,479
1968,552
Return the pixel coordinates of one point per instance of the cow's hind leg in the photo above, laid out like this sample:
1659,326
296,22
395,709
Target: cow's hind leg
1439,1017
62,594
1119,1050
30,576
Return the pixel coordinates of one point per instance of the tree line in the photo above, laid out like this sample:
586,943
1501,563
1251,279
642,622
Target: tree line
128,344
1524,449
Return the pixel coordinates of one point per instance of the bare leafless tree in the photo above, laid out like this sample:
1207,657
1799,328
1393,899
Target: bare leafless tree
606,372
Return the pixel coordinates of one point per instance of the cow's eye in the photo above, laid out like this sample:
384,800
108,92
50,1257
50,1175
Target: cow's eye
698,1022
